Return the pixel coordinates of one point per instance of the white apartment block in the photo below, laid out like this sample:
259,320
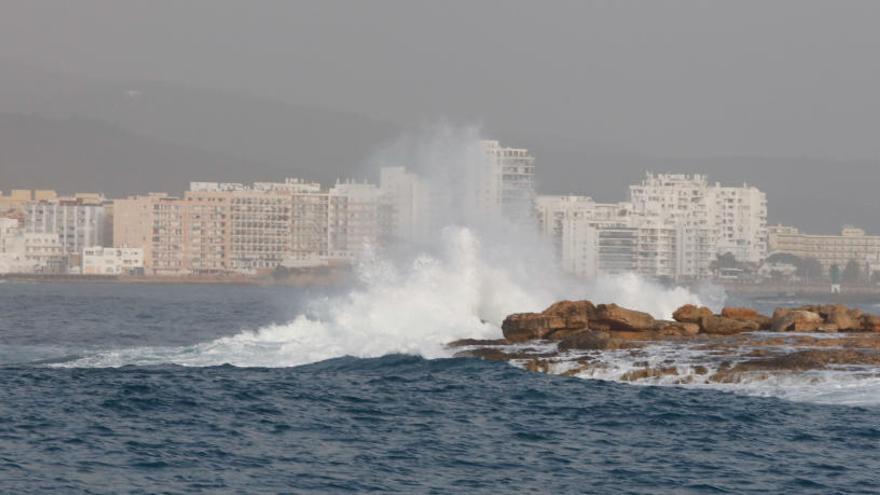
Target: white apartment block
406,196
673,226
853,244
354,218
496,183
29,252
79,222
99,260
229,227
507,186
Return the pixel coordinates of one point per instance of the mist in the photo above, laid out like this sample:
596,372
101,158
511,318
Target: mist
773,94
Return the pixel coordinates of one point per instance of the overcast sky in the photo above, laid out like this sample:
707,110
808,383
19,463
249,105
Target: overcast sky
670,78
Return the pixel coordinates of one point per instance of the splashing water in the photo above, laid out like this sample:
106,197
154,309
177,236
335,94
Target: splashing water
464,292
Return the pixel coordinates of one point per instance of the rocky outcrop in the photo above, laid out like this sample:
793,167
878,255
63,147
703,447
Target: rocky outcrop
691,314
582,332
719,325
614,317
556,322
797,321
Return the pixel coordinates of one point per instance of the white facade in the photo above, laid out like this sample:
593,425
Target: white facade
673,226
98,260
29,252
406,196
354,220
76,223
507,185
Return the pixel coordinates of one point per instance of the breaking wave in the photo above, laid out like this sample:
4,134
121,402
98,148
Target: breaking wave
463,291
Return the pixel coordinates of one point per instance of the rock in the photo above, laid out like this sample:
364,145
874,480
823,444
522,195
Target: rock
871,323
691,314
797,321
828,328
640,374
739,313
719,325
594,341
521,327
780,313
676,328
563,333
748,314
575,314
618,318
538,365
487,353
812,359
470,342
843,320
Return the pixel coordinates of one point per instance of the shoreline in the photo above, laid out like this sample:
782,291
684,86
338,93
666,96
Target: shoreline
298,280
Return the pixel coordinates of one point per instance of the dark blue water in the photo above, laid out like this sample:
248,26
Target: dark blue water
394,424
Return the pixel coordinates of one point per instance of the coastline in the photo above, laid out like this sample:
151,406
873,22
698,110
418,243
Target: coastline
335,278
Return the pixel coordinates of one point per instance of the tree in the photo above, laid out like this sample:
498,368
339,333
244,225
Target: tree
835,274
852,272
808,268
726,260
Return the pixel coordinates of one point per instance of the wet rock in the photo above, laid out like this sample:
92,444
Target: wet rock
797,321
738,313
538,365
594,341
748,314
563,334
676,328
640,374
811,359
871,323
843,320
575,314
487,353
691,314
719,325
521,327
472,342
618,318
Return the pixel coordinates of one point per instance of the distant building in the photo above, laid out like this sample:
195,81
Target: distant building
78,221
99,260
231,227
853,244
672,226
354,220
508,184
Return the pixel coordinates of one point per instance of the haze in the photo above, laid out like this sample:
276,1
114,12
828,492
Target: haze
124,97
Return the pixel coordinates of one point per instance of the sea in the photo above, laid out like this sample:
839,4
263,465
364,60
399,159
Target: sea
152,388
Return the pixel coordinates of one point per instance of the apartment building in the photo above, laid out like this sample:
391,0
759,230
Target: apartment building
99,260
507,186
354,220
230,227
79,221
672,226
853,244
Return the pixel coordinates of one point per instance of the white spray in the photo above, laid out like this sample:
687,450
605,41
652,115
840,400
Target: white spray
461,283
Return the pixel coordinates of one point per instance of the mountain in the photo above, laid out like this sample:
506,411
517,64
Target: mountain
85,155
128,137
266,139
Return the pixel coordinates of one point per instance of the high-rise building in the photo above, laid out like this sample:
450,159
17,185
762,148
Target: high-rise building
78,221
508,183
852,244
230,227
672,226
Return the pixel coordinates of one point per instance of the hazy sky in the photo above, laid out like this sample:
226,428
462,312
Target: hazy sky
670,78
